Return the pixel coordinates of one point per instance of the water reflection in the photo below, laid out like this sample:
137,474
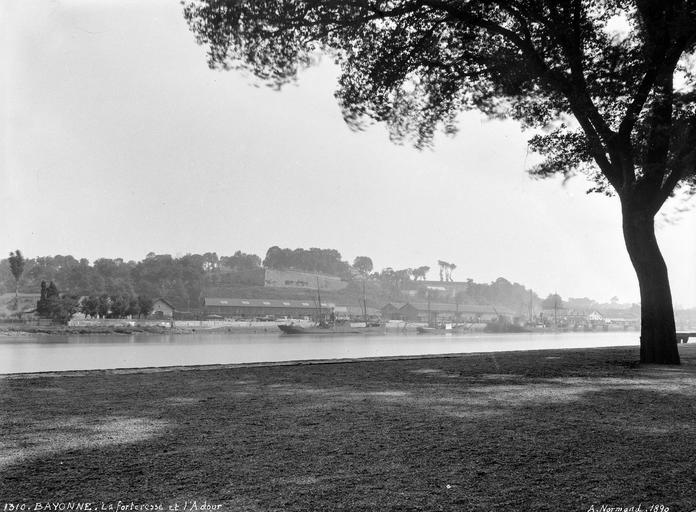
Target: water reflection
55,353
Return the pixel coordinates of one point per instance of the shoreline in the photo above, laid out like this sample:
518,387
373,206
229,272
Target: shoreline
290,363
144,355
47,330
126,330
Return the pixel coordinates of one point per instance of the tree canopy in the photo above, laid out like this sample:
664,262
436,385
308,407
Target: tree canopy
363,264
553,301
609,84
17,264
326,261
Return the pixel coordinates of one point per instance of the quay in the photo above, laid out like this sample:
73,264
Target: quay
683,336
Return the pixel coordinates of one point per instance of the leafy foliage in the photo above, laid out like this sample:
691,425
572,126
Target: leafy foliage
363,264
52,304
420,272
500,292
553,301
145,305
17,264
601,101
446,270
327,261
179,280
62,309
241,261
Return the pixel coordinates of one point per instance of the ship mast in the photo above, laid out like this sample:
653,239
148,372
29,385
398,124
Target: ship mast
364,304
319,301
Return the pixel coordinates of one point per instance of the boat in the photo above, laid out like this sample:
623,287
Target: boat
502,326
332,326
451,329
329,330
441,328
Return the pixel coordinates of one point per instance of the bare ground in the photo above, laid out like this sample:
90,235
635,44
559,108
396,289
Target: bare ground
540,431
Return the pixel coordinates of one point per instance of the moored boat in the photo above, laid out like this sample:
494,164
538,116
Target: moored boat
332,326
330,330
447,329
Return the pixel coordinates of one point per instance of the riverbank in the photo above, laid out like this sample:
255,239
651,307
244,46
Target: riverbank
541,430
31,330
241,328
191,327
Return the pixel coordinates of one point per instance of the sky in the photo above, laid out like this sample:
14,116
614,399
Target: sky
117,140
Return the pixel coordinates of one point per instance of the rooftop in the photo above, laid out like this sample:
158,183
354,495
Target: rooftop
461,308
264,303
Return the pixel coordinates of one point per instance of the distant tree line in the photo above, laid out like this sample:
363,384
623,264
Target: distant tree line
500,292
326,261
119,306
61,307
117,288
180,280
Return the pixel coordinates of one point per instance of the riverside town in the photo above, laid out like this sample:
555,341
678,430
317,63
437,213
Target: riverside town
243,293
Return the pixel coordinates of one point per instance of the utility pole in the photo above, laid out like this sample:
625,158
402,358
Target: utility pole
430,321
321,320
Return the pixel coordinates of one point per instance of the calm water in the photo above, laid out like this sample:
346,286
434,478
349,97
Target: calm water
53,353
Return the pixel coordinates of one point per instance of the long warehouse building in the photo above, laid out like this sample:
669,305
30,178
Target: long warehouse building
254,308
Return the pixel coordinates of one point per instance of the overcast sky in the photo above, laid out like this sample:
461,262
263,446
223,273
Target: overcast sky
117,140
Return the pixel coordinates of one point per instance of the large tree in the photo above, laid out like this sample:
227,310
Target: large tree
363,264
617,105
420,272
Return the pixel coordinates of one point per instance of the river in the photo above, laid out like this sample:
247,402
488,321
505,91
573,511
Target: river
28,354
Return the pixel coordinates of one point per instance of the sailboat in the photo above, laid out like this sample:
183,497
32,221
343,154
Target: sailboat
443,328
333,327
323,330
430,328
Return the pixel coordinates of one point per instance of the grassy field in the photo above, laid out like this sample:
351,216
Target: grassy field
562,430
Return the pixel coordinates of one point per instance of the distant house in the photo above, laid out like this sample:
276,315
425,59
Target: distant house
595,316
162,308
577,317
625,318
572,317
390,311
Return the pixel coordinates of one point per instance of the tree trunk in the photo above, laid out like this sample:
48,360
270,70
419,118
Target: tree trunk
658,340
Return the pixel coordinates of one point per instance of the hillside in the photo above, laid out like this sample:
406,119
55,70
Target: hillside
185,280
351,295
